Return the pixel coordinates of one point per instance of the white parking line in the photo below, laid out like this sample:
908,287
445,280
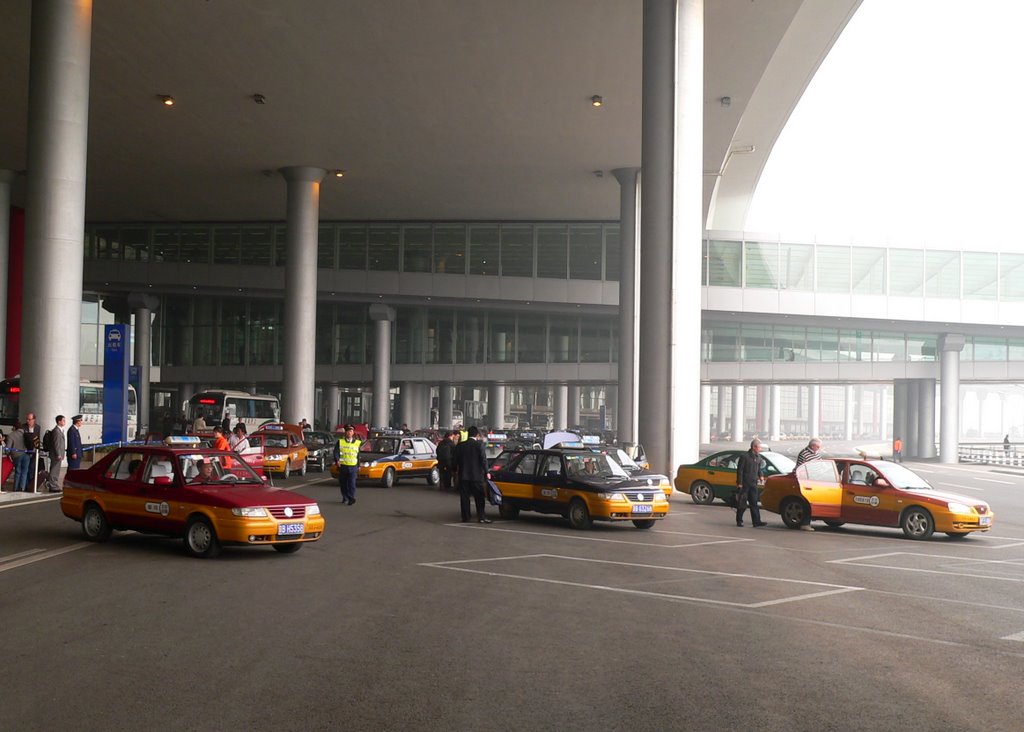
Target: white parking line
38,555
717,540
861,562
1014,637
993,480
19,555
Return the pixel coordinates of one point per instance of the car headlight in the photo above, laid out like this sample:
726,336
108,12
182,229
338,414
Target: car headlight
365,465
612,497
313,510
250,512
959,508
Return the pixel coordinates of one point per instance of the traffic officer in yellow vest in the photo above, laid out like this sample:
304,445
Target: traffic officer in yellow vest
346,457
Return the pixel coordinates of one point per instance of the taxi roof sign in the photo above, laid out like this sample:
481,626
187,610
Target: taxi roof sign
181,440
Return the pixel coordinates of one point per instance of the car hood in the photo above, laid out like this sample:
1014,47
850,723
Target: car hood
277,451
615,484
367,457
941,496
250,495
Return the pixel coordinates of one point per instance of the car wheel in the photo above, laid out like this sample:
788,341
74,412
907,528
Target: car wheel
507,511
200,538
287,469
702,493
643,523
834,524
95,526
435,476
288,548
579,514
917,523
793,512
958,534
388,479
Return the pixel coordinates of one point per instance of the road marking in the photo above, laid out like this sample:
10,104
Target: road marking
38,555
13,503
718,540
861,562
19,555
993,480
1014,637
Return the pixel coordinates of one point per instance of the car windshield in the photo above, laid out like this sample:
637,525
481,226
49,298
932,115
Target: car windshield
382,445
625,460
317,438
593,465
220,468
899,476
276,441
782,463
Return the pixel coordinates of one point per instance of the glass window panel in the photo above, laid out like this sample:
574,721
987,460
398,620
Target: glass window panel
796,266
484,250
724,342
942,274
552,251
889,347
822,345
502,338
787,344
177,331
517,251
326,249
1015,350
324,336
227,241
195,244
967,352
906,272
868,267
90,244
563,339
257,244
470,337
89,345
595,340
921,347
352,247
280,245
136,244
530,339
990,349
854,345
410,334
450,249
264,332
981,275
232,332
204,316
833,269
755,343
90,308
418,249
585,255
383,248
724,263
1011,276
761,262
612,253
107,245
165,244
350,334
440,336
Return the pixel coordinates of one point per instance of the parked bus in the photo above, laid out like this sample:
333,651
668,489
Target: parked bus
90,406
255,410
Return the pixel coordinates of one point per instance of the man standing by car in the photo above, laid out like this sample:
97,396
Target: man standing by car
75,443
55,450
806,455
446,459
346,457
748,478
471,459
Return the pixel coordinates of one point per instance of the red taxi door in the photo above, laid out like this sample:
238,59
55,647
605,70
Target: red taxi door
819,484
121,500
867,502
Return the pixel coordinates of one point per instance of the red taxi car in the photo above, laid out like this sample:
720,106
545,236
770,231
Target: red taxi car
207,497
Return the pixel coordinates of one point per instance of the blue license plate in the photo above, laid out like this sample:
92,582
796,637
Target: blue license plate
985,520
290,529
643,509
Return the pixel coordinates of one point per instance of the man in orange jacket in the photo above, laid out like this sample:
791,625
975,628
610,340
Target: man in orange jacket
897,450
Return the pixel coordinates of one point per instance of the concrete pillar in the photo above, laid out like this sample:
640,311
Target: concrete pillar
848,412
900,405
143,306
407,404
926,422
573,409
671,220
705,414
775,431
737,413
382,316
721,424
496,406
333,406
58,118
814,410
445,397
6,179
300,291
883,412
858,410
560,411
950,346
913,445
628,179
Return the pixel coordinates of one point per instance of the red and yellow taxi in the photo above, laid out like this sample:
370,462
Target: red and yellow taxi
208,497
283,448
875,493
386,458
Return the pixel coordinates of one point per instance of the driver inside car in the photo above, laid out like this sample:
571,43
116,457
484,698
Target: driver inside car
205,474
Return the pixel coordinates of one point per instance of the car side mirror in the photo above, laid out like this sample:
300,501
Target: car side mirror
162,480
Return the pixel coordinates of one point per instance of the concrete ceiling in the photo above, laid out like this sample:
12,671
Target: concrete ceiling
448,109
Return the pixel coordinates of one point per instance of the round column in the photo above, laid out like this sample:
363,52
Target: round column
58,121
926,428
775,431
912,445
333,406
572,417
407,404
496,406
705,413
900,407
381,315
814,410
560,411
950,346
445,398
737,413
848,412
6,179
626,405
721,424
300,291
143,306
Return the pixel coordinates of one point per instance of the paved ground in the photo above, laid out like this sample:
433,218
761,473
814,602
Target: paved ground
402,618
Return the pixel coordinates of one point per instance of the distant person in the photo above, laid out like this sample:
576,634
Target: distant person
446,459
304,425
471,459
809,453
897,450
1006,443
239,441
748,480
75,443
220,442
346,457
19,456
199,423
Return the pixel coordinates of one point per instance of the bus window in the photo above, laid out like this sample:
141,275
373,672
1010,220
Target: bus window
92,399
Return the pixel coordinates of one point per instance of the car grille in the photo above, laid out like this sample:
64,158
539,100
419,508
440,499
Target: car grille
647,493
278,512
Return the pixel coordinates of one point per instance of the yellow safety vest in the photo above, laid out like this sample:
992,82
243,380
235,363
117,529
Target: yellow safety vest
348,452
463,435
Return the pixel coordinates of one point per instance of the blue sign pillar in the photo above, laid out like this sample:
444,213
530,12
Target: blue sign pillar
115,383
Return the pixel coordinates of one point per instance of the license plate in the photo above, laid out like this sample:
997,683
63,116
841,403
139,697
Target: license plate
642,509
290,529
985,521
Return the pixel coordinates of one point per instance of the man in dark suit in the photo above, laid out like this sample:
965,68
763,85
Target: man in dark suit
75,443
471,460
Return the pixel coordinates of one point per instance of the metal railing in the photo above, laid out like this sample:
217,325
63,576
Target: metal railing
991,453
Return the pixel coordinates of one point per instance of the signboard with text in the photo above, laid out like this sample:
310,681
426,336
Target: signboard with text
115,383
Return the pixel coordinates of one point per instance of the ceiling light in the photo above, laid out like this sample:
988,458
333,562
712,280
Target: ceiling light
339,173
167,99
596,100
725,101
259,98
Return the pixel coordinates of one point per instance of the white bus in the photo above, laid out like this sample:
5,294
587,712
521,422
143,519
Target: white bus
255,410
90,406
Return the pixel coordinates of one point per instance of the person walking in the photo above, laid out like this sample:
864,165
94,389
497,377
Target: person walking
897,450
55,449
17,453
75,443
346,457
748,480
809,453
446,459
471,459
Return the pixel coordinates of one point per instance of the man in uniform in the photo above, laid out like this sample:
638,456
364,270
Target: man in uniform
75,443
346,457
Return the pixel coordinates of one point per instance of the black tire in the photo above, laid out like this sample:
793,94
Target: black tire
702,493
958,534
388,479
507,511
794,512
917,523
578,514
288,548
95,526
643,523
200,538
834,524
434,477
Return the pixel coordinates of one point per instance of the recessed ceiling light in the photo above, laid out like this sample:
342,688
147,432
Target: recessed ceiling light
339,173
166,99
259,98
597,101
